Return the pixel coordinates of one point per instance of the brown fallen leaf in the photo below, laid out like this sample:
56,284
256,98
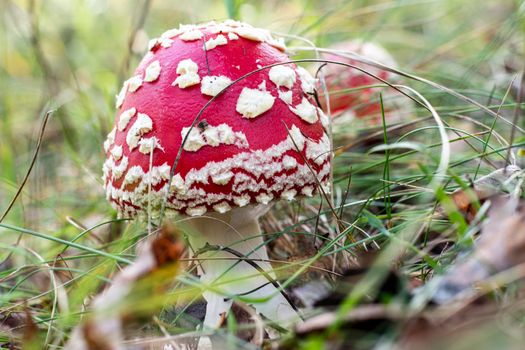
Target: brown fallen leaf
477,326
500,247
498,182
20,330
103,329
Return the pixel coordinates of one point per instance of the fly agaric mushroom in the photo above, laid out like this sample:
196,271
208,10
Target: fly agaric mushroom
363,101
259,140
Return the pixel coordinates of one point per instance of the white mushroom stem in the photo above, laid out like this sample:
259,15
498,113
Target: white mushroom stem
226,275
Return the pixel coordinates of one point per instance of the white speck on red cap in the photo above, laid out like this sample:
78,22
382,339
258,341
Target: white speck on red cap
242,201
142,125
177,184
125,117
118,170
194,139
214,42
188,74
222,178
289,162
152,43
165,42
264,198
282,76
222,207
254,102
318,152
233,36
110,139
212,85
296,138
325,121
134,83
152,72
148,145
170,33
307,191
306,111
121,95
116,152
191,35
277,43
307,81
286,96
212,136
196,211
134,174
289,194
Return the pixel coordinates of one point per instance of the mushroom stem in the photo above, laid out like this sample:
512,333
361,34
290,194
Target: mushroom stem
239,231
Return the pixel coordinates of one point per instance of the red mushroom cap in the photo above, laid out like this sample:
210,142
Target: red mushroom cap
248,146
363,102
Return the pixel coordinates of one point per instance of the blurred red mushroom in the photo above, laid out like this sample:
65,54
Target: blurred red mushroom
355,94
260,140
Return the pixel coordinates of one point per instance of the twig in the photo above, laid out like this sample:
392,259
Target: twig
33,160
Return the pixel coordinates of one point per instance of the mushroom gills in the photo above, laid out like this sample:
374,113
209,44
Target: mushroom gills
226,276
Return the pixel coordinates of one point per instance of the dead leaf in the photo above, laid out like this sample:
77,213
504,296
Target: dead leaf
500,246
103,329
498,182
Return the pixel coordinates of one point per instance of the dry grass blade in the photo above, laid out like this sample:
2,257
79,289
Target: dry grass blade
31,165
517,114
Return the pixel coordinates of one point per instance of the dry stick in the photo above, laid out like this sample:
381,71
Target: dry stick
317,219
347,192
206,55
33,160
150,172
